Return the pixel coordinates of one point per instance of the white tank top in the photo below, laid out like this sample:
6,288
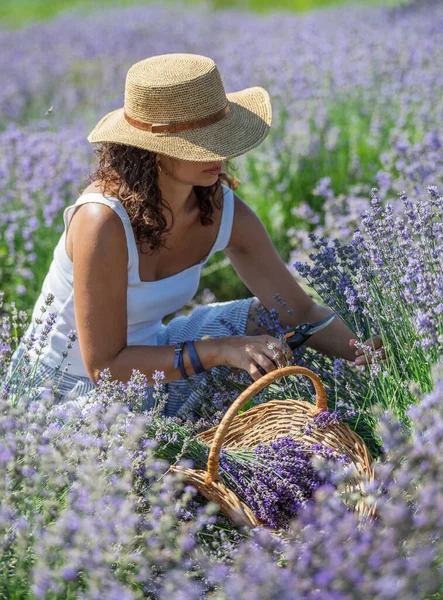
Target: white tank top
147,301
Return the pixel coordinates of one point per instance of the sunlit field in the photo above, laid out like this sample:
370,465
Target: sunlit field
15,13
349,186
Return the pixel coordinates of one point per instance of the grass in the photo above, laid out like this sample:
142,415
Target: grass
17,13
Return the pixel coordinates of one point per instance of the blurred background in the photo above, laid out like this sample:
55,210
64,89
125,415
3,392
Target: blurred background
15,13
355,90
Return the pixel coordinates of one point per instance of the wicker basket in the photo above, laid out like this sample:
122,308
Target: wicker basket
267,422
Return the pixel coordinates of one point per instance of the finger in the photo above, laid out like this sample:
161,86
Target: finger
275,345
360,363
277,350
358,351
352,343
265,362
381,354
369,346
278,344
284,353
289,351
361,360
374,342
276,355
285,349
254,372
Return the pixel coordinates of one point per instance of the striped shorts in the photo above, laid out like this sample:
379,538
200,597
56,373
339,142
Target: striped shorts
217,319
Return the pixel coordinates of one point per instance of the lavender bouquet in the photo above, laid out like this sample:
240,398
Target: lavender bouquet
275,479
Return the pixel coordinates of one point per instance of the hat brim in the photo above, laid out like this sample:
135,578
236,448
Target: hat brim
243,128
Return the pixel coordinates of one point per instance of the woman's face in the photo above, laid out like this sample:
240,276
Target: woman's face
190,172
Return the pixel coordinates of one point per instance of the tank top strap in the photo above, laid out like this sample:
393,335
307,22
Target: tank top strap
117,206
227,220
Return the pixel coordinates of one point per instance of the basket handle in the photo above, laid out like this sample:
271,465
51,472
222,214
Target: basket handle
321,405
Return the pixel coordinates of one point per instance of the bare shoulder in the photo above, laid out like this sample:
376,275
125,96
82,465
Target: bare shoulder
98,226
97,211
100,213
95,216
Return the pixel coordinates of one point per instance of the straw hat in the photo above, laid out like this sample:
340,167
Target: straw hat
175,104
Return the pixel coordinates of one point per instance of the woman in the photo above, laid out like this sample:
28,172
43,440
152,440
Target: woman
159,180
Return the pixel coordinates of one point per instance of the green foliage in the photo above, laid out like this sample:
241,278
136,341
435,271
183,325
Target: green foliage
16,13
352,119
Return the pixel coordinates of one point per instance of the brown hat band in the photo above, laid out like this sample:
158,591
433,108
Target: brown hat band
175,127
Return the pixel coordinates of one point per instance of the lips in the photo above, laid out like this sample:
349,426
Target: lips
213,170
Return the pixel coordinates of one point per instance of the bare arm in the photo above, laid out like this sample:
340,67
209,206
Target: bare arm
260,267
100,259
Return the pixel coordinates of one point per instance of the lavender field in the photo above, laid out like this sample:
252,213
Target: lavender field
351,112
349,185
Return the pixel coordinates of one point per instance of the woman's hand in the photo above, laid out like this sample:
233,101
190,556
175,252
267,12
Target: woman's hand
374,346
246,352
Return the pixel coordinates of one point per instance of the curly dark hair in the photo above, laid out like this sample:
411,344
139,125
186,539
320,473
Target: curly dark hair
131,174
